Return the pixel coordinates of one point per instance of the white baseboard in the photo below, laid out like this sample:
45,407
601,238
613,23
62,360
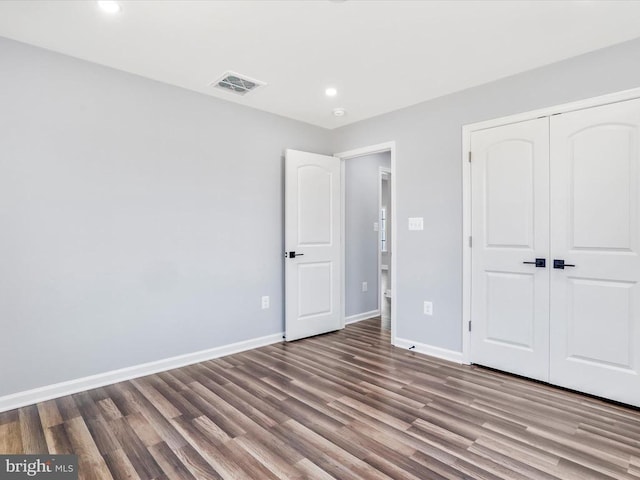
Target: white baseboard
361,316
48,392
430,350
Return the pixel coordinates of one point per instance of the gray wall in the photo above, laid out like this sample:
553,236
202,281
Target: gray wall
361,241
139,220
429,184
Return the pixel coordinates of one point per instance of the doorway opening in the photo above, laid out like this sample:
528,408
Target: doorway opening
368,242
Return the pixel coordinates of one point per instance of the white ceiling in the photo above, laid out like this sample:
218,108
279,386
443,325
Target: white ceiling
380,55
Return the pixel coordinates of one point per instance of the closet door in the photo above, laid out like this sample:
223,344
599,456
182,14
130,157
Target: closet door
595,230
510,229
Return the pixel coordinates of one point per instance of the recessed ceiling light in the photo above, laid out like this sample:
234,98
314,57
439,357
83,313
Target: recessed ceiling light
331,92
339,112
109,6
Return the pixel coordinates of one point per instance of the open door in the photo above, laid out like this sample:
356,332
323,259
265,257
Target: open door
313,270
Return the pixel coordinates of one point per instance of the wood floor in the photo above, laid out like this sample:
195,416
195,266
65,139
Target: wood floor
345,405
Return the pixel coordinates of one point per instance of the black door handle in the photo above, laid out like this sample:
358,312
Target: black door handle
293,254
560,264
539,263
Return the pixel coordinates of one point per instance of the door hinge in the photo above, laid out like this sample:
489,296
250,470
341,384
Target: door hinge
469,156
470,241
469,325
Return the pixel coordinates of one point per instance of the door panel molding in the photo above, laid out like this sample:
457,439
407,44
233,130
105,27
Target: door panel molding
313,302
510,225
595,191
466,241
594,230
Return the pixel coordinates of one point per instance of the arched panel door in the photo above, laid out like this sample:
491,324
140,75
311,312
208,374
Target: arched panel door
312,241
510,230
595,242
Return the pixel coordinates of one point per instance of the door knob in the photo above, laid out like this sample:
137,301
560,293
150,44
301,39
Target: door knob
560,264
293,254
539,263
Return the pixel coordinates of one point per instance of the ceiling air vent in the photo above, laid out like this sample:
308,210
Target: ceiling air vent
238,84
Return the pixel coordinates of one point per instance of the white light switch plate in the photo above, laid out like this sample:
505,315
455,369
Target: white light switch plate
416,223
376,226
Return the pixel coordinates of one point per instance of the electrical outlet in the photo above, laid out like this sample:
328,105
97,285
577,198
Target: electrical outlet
428,308
265,302
365,286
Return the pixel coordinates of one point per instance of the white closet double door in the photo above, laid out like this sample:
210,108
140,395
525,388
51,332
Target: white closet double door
559,190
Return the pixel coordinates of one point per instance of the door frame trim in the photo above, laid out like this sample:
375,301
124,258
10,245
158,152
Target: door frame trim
381,172
359,152
610,98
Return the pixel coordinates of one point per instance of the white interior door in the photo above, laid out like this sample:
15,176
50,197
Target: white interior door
510,227
312,240
595,302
